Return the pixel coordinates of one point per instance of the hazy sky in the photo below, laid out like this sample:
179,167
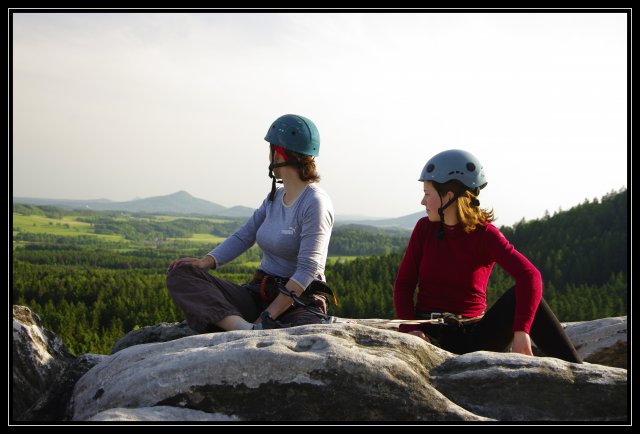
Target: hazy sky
123,106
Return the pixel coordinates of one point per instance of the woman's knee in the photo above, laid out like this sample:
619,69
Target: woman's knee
506,302
175,277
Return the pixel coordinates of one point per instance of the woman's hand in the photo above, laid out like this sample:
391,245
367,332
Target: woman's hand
283,302
420,334
521,343
203,264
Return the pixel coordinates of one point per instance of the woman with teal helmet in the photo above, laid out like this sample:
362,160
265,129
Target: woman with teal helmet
292,227
296,134
449,258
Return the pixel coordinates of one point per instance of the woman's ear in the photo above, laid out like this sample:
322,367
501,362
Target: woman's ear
448,196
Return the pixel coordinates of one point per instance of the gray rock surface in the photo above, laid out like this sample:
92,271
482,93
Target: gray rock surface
516,387
54,404
159,414
39,357
162,332
361,370
309,373
602,341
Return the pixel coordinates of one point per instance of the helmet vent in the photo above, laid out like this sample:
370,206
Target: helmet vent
430,168
471,167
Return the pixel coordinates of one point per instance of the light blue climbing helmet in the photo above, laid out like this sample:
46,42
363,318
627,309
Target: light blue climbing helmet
455,164
458,165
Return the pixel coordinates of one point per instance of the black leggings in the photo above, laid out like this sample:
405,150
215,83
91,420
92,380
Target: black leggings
495,331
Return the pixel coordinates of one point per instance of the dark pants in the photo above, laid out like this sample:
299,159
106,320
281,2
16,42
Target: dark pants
206,299
494,332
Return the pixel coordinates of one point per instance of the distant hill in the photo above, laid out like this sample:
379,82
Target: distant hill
404,222
180,202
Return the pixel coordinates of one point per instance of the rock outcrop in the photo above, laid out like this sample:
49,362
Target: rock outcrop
357,371
516,387
54,404
162,332
602,341
39,358
159,414
308,373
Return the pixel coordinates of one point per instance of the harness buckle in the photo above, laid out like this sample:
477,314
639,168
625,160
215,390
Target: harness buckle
438,317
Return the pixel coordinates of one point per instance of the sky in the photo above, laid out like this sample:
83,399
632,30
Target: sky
127,105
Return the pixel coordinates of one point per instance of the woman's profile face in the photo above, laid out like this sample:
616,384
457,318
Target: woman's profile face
431,201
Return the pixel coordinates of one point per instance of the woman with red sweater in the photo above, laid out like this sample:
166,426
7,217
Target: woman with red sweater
449,258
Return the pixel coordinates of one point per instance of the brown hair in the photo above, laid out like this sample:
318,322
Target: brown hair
469,214
307,166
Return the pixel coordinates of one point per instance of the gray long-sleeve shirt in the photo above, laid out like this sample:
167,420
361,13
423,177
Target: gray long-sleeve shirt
294,239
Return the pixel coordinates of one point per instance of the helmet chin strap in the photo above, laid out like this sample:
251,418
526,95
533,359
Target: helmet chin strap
440,234
275,165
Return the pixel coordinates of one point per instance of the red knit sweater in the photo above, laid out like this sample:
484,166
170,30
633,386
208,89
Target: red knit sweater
452,273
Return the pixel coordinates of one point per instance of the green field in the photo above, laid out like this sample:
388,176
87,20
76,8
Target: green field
69,226
66,226
200,239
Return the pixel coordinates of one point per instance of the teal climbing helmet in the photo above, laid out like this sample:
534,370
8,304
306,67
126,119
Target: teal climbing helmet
455,164
295,133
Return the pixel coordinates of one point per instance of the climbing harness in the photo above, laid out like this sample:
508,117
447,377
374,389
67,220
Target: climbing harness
441,318
297,301
270,286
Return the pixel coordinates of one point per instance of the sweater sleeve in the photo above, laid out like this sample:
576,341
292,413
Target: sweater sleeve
527,277
241,240
317,223
407,279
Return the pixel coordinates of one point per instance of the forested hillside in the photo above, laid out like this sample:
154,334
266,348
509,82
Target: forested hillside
361,240
582,254
94,276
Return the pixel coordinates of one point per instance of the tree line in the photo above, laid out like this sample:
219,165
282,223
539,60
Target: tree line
361,240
